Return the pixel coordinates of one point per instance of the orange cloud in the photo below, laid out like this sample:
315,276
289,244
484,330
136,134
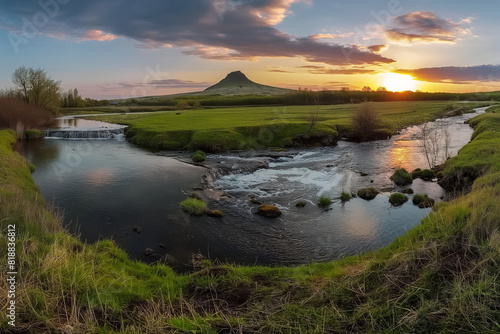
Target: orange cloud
330,36
98,35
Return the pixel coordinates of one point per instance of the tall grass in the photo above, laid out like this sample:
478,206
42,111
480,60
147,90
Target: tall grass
20,116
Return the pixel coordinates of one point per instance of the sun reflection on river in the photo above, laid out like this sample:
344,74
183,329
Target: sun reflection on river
100,177
359,222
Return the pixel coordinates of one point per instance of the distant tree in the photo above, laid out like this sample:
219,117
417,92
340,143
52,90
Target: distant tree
345,89
381,89
71,98
366,89
35,86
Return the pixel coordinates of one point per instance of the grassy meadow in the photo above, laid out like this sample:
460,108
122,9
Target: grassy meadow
258,127
441,277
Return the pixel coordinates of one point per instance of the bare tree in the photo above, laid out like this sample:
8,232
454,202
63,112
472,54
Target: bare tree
435,139
312,118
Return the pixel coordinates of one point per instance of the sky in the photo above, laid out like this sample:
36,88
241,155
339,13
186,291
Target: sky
121,49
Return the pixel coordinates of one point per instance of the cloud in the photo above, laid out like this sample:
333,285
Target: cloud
425,27
454,74
347,71
211,29
377,47
330,36
98,35
275,70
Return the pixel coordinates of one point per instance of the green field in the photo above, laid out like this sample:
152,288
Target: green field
259,127
441,277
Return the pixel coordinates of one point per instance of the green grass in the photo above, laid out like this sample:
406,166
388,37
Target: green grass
345,197
194,206
441,277
198,156
477,158
259,127
323,202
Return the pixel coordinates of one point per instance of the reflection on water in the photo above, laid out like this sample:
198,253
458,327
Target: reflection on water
107,187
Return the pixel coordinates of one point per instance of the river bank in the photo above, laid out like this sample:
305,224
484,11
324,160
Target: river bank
440,277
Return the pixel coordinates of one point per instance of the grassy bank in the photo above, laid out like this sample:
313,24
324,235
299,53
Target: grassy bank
259,127
440,277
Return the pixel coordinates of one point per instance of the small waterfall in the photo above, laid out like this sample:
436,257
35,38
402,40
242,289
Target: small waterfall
83,133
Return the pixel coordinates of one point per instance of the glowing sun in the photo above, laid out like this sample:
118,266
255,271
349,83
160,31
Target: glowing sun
398,82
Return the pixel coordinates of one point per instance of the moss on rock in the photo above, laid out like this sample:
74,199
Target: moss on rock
398,199
368,193
401,177
269,211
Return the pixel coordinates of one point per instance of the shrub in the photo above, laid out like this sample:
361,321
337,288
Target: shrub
198,156
193,206
365,121
182,104
324,202
345,197
423,201
425,174
401,177
398,199
368,193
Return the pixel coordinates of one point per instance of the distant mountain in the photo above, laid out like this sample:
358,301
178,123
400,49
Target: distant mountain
237,83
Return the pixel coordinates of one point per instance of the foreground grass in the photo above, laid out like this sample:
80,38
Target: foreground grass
441,277
258,127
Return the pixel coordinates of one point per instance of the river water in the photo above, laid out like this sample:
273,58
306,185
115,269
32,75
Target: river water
108,188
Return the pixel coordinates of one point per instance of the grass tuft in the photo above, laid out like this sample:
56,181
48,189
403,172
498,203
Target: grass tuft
194,206
345,197
323,202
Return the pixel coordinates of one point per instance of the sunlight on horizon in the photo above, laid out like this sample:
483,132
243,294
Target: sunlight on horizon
395,82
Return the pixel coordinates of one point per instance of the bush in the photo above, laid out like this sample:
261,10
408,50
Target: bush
368,193
198,156
193,206
365,121
423,201
345,197
398,199
425,174
324,202
401,177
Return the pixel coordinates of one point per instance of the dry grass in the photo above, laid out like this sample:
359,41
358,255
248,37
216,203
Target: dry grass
20,116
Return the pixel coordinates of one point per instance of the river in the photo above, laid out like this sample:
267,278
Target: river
109,188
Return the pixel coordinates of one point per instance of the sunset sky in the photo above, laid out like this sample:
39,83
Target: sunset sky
114,49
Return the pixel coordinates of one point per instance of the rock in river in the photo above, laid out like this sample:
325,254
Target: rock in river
269,211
